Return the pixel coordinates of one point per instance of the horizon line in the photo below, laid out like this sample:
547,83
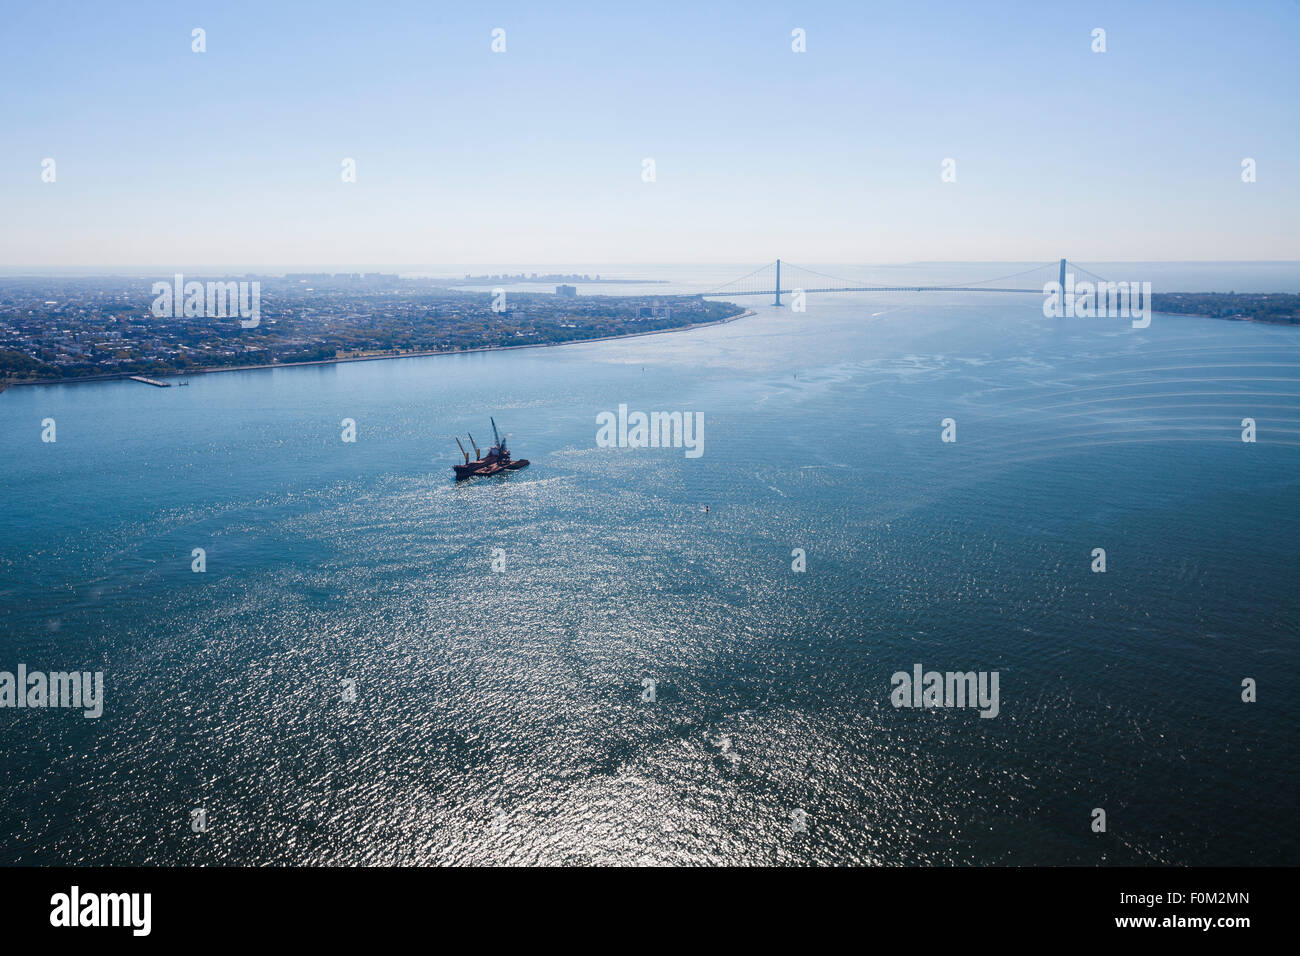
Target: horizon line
367,268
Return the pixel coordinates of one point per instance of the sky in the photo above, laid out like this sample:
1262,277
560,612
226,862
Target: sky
233,157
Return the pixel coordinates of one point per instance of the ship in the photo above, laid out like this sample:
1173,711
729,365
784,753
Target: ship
494,462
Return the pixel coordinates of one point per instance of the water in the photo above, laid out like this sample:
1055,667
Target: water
499,715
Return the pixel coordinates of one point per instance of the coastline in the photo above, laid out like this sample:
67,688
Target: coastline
1225,318
126,376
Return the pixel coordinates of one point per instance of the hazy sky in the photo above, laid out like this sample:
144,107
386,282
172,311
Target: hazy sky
233,157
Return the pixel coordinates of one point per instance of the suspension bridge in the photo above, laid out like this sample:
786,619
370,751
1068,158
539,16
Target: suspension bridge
783,278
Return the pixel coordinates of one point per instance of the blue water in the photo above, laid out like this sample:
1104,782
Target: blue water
499,716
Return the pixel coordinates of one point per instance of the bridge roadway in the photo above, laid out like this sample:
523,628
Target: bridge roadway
879,288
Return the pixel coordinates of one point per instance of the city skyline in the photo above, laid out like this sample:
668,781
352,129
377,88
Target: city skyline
535,156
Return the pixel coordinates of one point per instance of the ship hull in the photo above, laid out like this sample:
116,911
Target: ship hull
479,469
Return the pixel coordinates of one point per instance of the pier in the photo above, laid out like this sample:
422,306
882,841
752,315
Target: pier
151,381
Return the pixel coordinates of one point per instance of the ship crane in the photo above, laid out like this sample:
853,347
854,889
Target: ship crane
496,461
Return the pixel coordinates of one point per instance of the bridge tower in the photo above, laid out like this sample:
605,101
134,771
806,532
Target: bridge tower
1062,277
778,282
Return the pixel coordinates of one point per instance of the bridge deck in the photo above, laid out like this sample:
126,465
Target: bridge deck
878,288
779,273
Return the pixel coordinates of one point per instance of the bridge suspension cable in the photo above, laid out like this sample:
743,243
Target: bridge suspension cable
1014,275
1086,272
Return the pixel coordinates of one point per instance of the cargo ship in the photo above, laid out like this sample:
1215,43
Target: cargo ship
494,462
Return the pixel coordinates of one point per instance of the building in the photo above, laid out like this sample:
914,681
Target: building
570,291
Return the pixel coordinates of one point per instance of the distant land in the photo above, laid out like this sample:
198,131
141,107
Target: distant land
65,329
393,280
504,279
1276,308
60,329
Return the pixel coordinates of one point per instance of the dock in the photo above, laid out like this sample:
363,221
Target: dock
151,381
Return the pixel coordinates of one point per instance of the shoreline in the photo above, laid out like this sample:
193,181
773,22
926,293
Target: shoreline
126,376
1225,318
